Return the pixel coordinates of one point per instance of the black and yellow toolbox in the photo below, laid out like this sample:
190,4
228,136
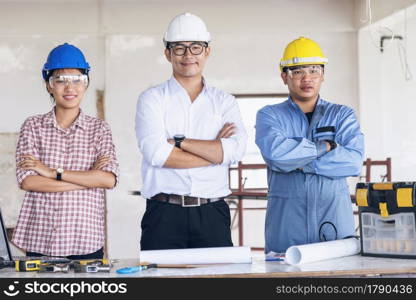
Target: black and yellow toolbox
387,218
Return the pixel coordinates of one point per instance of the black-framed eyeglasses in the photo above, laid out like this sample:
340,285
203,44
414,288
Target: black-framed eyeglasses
195,48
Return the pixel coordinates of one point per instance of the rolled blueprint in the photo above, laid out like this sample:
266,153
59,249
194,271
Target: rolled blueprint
214,255
301,254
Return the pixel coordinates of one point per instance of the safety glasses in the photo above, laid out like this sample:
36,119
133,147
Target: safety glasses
314,72
64,80
195,48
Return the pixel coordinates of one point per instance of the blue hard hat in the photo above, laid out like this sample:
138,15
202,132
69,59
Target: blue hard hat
65,56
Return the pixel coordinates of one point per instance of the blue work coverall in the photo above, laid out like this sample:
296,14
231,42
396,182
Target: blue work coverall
308,195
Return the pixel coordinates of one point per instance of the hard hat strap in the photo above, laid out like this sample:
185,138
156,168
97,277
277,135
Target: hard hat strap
300,60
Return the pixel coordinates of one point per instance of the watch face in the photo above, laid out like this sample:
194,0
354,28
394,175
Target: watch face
179,137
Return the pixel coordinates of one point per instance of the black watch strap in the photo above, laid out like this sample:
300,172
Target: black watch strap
332,144
59,172
178,143
178,140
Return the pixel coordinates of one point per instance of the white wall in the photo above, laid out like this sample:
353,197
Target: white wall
122,41
387,99
380,9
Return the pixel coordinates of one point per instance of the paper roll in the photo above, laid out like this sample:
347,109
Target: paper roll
214,255
301,254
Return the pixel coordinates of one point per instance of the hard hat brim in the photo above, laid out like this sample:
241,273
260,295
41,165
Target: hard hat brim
299,61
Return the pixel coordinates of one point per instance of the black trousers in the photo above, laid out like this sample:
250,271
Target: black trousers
171,226
96,255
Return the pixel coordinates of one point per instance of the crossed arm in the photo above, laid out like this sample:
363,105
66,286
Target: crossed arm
71,180
199,153
283,153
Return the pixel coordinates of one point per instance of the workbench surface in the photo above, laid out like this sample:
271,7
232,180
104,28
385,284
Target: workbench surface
351,266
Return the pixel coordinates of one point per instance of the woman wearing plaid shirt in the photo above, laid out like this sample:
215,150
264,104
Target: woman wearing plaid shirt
65,159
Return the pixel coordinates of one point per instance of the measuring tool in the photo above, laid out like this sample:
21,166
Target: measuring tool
92,266
30,265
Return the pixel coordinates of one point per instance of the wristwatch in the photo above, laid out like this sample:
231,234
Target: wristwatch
332,144
59,172
178,138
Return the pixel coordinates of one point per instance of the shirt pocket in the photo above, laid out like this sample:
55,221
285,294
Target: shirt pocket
52,156
216,124
324,133
208,126
83,159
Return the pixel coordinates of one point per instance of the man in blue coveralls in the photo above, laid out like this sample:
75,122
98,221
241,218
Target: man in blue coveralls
310,147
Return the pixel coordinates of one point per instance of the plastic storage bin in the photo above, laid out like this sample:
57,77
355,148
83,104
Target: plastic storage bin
393,235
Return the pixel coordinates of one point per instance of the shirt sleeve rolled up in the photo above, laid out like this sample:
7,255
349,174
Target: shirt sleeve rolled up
106,148
150,131
233,147
26,145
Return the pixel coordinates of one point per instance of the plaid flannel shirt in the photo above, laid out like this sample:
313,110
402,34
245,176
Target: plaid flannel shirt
63,223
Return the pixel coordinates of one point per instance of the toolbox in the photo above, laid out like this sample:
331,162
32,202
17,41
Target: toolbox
387,219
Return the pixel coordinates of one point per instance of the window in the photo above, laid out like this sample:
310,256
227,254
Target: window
249,105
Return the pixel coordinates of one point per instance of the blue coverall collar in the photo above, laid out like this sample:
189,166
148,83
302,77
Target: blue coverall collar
294,105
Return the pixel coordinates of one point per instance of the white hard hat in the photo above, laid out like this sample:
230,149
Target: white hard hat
186,27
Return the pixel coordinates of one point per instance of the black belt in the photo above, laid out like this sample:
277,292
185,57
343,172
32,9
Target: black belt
185,201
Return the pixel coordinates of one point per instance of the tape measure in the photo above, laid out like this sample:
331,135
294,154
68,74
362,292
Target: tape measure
27,265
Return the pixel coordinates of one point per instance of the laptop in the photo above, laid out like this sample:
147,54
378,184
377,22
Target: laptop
4,242
6,255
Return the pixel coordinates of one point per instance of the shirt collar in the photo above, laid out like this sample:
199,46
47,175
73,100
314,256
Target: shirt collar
50,119
81,120
175,86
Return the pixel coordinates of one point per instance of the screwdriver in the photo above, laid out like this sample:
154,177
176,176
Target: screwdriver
130,270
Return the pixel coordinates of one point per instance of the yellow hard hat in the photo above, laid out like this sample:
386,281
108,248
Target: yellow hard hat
302,51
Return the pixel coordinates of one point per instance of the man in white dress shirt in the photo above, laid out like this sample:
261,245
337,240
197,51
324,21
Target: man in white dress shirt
189,133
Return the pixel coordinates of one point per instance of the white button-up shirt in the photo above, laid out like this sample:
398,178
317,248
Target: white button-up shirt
166,110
